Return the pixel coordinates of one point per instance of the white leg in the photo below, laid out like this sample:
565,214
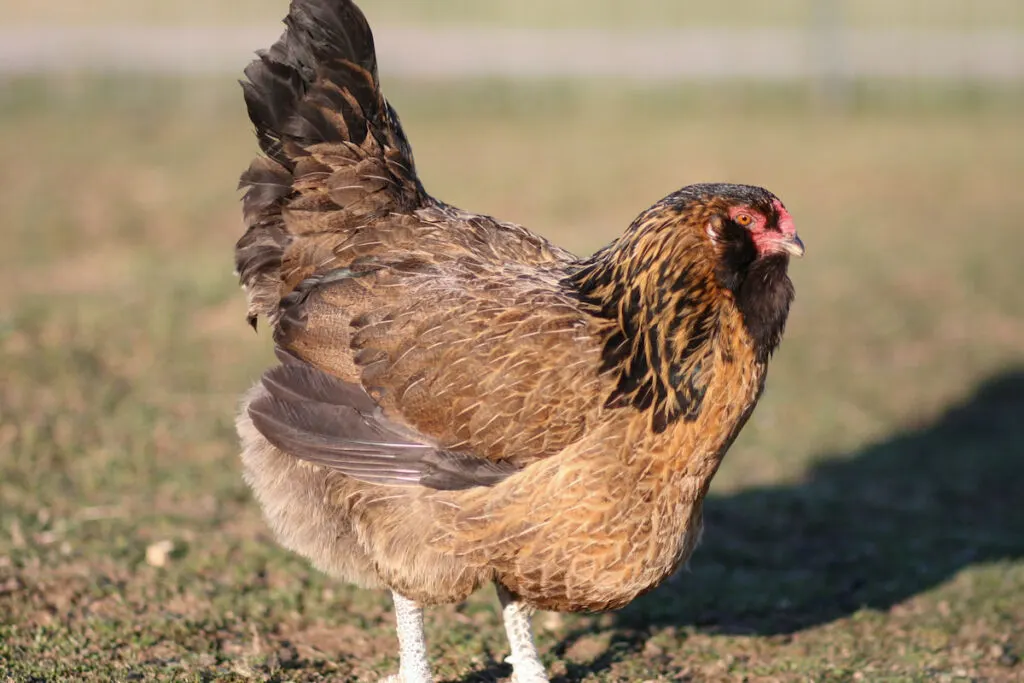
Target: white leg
526,666
413,666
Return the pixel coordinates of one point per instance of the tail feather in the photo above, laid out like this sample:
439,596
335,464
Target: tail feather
325,42
335,150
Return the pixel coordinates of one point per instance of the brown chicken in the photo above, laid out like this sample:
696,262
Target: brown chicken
461,402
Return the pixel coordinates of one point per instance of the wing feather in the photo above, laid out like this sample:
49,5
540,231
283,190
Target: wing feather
500,363
321,419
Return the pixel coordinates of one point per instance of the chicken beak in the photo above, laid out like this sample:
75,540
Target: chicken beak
791,244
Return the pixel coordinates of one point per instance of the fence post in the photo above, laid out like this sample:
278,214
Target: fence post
832,82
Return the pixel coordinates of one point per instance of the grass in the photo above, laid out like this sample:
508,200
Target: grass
866,526
565,13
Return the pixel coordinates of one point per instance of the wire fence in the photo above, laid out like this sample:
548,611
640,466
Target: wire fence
829,44
992,55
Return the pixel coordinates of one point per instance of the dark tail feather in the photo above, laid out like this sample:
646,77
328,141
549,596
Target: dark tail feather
318,83
333,146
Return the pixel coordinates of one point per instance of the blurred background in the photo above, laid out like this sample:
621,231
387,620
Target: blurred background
866,526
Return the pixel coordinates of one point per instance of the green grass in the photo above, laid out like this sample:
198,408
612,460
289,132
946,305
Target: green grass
867,525
542,13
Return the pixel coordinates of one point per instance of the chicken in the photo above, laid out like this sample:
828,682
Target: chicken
461,402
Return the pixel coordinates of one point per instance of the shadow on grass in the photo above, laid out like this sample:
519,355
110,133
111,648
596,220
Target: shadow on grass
868,529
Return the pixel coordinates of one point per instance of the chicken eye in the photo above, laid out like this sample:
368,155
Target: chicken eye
743,219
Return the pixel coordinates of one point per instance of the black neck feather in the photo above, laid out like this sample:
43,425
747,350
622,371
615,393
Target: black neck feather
660,340
761,286
764,298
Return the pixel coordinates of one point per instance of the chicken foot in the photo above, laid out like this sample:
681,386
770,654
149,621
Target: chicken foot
413,666
526,666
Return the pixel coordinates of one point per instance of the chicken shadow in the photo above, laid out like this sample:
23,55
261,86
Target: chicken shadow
867,529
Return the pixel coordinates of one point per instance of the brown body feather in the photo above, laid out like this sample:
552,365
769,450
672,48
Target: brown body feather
461,401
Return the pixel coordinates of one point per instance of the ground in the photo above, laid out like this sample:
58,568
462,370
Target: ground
866,527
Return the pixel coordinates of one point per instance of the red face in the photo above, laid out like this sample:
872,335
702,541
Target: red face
769,238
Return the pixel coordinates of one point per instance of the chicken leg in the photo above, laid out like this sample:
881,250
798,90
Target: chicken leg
413,666
526,666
